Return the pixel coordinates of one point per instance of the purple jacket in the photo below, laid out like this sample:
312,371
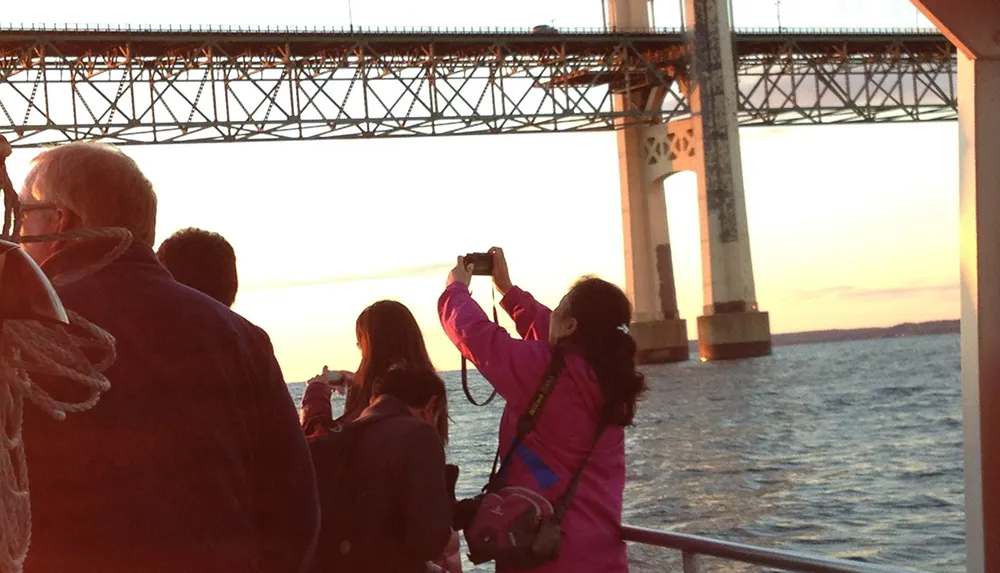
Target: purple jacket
317,412
192,461
548,456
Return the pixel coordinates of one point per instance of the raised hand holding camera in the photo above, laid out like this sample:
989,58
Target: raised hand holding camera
481,264
337,380
461,273
501,277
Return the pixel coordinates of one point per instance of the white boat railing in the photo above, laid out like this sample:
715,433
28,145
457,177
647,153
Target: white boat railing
693,547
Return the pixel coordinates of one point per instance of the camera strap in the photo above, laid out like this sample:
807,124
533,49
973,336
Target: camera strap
526,423
465,370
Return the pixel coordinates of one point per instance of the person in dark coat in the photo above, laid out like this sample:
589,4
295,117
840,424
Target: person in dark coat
396,478
194,459
204,261
387,335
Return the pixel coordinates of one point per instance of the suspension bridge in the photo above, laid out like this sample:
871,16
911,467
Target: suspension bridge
156,85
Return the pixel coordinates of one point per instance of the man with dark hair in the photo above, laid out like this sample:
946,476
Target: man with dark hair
202,260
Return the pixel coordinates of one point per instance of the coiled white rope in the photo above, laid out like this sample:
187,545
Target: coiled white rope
31,348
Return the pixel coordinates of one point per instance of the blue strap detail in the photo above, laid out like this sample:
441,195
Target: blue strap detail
542,473
539,469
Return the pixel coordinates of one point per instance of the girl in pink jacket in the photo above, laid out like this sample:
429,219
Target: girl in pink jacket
598,383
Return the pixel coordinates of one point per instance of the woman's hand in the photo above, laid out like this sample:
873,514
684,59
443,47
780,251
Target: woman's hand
461,273
337,380
501,277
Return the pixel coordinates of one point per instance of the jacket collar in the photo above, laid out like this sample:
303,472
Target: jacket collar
78,254
386,406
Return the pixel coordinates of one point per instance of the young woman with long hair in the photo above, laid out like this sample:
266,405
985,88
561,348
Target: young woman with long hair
387,335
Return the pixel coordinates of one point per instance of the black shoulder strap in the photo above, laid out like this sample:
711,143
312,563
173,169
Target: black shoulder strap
526,422
562,506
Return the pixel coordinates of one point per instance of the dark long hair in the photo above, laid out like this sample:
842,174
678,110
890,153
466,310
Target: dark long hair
387,334
414,385
601,309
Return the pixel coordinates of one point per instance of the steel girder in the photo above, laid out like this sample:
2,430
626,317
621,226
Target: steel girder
847,80
153,86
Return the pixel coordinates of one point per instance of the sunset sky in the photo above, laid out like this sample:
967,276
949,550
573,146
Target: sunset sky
849,226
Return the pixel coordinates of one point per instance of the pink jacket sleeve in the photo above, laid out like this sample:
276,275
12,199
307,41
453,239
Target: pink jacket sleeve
530,316
513,367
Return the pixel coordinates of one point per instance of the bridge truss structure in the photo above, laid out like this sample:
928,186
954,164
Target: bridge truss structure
146,86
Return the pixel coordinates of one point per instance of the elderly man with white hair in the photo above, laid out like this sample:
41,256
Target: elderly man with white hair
194,459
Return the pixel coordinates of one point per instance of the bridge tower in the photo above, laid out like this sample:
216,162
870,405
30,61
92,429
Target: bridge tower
708,144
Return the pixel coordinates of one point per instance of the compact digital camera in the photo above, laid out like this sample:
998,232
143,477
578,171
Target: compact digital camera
482,263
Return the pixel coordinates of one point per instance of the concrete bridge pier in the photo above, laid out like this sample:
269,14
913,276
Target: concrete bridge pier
649,273
732,325
707,143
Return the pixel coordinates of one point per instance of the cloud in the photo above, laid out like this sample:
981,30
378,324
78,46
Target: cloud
422,270
844,292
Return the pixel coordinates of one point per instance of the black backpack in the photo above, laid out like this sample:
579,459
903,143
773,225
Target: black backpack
338,497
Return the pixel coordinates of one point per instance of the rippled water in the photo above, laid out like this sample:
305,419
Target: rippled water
851,450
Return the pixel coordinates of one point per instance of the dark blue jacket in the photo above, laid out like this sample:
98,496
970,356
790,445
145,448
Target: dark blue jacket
193,461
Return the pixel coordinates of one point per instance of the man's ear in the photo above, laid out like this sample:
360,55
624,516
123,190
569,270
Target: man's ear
66,220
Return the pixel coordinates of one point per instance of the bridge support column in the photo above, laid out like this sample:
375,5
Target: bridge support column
732,326
708,144
649,273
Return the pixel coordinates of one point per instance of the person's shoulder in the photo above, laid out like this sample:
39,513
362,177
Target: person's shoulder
252,330
408,431
420,436
580,376
211,315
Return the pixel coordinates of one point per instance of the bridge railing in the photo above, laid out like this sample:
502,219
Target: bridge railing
693,548
258,29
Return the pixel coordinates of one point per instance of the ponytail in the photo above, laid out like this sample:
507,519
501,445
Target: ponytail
603,313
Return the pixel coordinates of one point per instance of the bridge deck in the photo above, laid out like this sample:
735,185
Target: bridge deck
150,42
146,85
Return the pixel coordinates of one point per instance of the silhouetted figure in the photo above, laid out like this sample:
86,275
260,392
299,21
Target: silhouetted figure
194,459
384,494
202,260
387,334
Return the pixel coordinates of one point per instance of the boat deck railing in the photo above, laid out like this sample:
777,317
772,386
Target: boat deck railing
693,548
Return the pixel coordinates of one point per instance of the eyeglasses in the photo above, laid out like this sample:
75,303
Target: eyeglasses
37,206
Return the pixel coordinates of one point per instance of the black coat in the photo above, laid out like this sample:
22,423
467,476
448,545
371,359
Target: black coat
404,507
192,461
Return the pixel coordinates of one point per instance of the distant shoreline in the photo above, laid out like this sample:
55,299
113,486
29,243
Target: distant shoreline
904,330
